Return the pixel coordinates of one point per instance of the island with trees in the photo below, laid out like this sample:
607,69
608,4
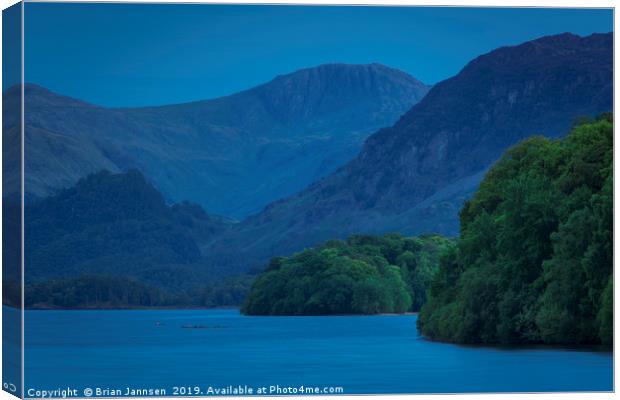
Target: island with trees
361,275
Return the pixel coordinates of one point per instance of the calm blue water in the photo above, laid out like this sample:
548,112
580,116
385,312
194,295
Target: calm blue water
365,354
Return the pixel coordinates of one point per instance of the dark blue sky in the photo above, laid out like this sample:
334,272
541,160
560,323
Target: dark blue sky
143,54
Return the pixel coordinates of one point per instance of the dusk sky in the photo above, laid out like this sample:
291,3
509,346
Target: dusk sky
147,54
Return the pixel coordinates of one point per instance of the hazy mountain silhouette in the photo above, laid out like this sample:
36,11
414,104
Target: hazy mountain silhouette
118,225
233,155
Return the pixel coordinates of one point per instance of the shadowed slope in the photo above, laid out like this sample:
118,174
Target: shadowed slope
414,176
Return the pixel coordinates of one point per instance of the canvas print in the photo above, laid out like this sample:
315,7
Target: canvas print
228,199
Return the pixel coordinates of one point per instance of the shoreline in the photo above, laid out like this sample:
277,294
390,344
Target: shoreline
175,308
171,308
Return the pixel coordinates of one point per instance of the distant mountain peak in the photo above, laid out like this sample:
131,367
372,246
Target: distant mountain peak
328,68
329,88
38,95
547,49
342,70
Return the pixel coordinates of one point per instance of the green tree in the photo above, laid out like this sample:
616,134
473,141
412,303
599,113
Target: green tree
362,275
535,255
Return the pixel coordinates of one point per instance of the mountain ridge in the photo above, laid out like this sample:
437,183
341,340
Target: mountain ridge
218,152
451,137
379,67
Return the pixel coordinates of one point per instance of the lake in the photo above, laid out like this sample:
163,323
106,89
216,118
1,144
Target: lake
361,354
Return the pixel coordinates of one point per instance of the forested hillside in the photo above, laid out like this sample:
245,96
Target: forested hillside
117,223
535,256
362,275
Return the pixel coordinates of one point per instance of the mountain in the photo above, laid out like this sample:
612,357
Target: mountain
232,155
117,225
414,176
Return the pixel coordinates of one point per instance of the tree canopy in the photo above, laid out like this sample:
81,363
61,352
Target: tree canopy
362,275
534,259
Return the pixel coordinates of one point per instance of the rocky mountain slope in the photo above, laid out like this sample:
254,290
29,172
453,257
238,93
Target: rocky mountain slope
414,176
